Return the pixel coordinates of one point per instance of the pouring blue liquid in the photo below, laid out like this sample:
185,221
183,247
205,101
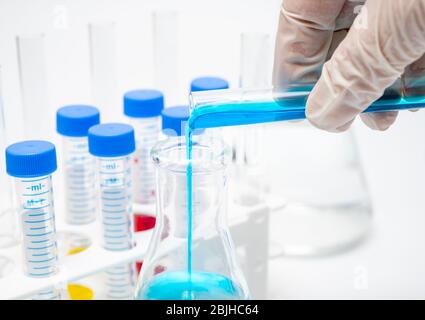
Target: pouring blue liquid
291,107
192,284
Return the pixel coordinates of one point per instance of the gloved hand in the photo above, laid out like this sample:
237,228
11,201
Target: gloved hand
352,56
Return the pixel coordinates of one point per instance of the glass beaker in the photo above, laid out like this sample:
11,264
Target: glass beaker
206,268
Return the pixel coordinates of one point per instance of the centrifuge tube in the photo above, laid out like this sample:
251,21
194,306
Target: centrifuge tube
165,27
33,80
103,67
113,144
73,123
7,214
143,107
32,163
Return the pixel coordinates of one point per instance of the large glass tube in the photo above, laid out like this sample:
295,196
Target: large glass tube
165,27
103,68
7,218
254,73
38,123
220,108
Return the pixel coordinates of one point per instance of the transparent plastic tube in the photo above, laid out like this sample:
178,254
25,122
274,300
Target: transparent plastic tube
31,164
103,68
33,80
7,217
165,26
147,135
117,220
79,181
37,216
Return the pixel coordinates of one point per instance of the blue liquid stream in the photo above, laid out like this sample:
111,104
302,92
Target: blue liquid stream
243,113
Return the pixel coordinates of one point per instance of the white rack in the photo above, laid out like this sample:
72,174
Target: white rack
16,285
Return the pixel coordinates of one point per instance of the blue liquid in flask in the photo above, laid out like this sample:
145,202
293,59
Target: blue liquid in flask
182,285
189,284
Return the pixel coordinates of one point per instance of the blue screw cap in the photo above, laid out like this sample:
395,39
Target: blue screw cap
208,83
111,140
174,119
76,120
30,159
143,103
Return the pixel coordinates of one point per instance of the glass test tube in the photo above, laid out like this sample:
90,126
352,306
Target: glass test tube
165,27
143,108
33,80
113,144
73,123
31,163
103,67
254,73
7,218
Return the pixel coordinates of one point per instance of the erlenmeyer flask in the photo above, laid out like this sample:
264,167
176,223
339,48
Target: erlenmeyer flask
319,176
205,268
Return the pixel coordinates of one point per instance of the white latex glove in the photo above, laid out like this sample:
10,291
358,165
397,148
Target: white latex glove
365,53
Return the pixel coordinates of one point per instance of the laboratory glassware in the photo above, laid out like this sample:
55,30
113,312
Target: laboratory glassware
255,72
113,144
32,163
143,109
191,260
8,234
165,35
33,80
73,123
318,174
103,68
220,108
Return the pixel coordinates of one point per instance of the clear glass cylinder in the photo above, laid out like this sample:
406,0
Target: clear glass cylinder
255,72
117,221
147,132
8,227
165,35
37,221
103,68
38,123
205,267
79,167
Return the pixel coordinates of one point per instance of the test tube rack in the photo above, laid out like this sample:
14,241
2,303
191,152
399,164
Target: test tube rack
244,222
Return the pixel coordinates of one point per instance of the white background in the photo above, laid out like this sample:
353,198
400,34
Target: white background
393,258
